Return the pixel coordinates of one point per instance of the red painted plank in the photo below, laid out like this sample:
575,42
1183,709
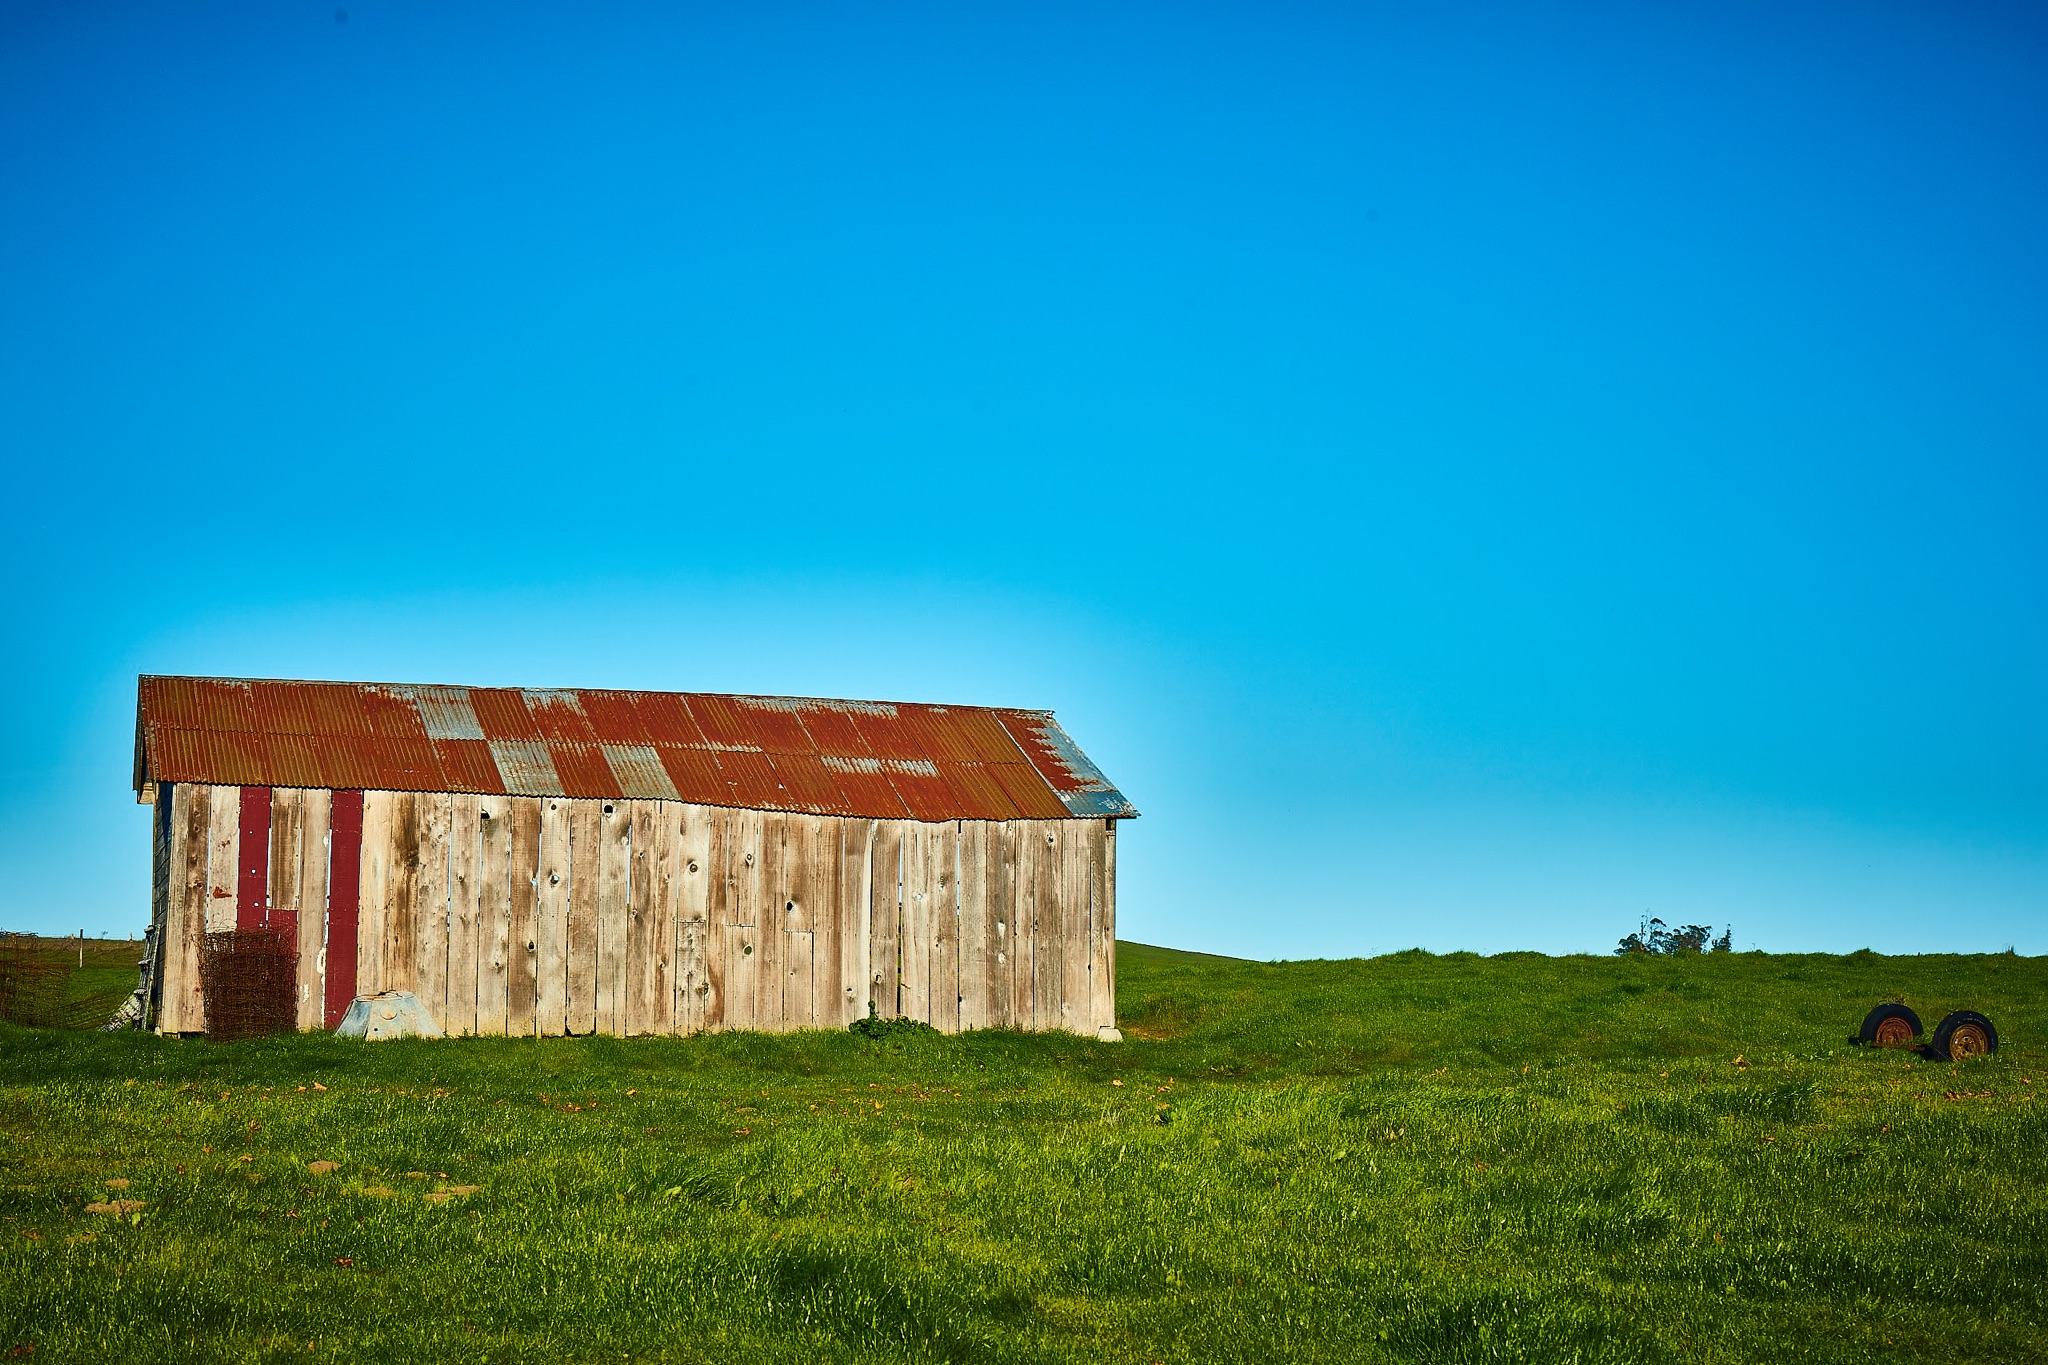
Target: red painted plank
252,871
344,889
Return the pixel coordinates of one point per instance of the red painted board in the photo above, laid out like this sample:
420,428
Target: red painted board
344,891
252,871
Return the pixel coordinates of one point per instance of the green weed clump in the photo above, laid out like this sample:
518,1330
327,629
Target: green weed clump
878,1030
1404,1159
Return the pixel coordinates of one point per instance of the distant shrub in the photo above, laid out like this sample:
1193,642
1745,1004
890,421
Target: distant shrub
1653,937
882,1030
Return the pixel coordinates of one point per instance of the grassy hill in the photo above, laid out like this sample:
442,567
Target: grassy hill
1408,1158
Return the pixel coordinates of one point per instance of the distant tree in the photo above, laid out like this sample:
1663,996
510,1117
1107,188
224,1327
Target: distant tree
1653,938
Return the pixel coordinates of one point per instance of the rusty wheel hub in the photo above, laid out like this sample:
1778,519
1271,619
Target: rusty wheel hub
1894,1033
1967,1041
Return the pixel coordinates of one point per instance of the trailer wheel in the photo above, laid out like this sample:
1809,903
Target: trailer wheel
1963,1035
1890,1025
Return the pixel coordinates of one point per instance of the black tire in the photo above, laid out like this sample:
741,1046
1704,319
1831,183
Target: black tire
1963,1035
1881,1026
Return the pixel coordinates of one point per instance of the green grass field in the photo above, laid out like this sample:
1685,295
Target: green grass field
1408,1158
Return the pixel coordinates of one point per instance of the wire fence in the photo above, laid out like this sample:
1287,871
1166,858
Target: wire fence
36,986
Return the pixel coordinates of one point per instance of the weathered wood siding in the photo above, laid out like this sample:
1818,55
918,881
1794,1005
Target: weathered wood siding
552,915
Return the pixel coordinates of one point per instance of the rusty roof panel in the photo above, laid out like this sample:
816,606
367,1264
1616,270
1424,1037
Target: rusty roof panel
582,769
1027,791
694,772
874,759
925,794
981,729
218,758
281,709
349,761
393,714
723,723
864,787
172,754
806,786
559,714
408,765
886,734
224,705
526,767
1081,787
447,714
294,760
613,717
776,723
502,714
940,735
170,702
832,731
976,795
869,795
665,720
749,779
468,766
637,770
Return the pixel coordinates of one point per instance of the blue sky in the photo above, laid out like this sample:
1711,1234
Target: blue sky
1472,474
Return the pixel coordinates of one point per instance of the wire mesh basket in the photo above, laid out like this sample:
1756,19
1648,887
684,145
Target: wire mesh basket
250,981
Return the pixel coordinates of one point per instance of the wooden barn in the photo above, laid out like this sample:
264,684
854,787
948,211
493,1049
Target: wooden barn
566,862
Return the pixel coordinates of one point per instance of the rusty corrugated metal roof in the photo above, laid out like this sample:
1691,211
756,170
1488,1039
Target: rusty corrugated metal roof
885,760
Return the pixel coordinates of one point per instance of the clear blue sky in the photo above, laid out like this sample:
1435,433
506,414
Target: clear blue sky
1472,474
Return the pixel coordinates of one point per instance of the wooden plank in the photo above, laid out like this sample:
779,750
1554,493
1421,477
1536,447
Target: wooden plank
223,843
742,973
457,1008
1046,957
586,860
799,985
1021,844
885,895
523,816
693,976
772,870
743,909
806,882
180,1002
693,912
670,853
316,806
719,893
400,948
429,898
850,892
945,920
914,932
974,925
1001,861
781,870
551,926
374,891
252,860
614,909
643,911
1106,999
283,867
494,915
1076,1010
820,898
344,903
